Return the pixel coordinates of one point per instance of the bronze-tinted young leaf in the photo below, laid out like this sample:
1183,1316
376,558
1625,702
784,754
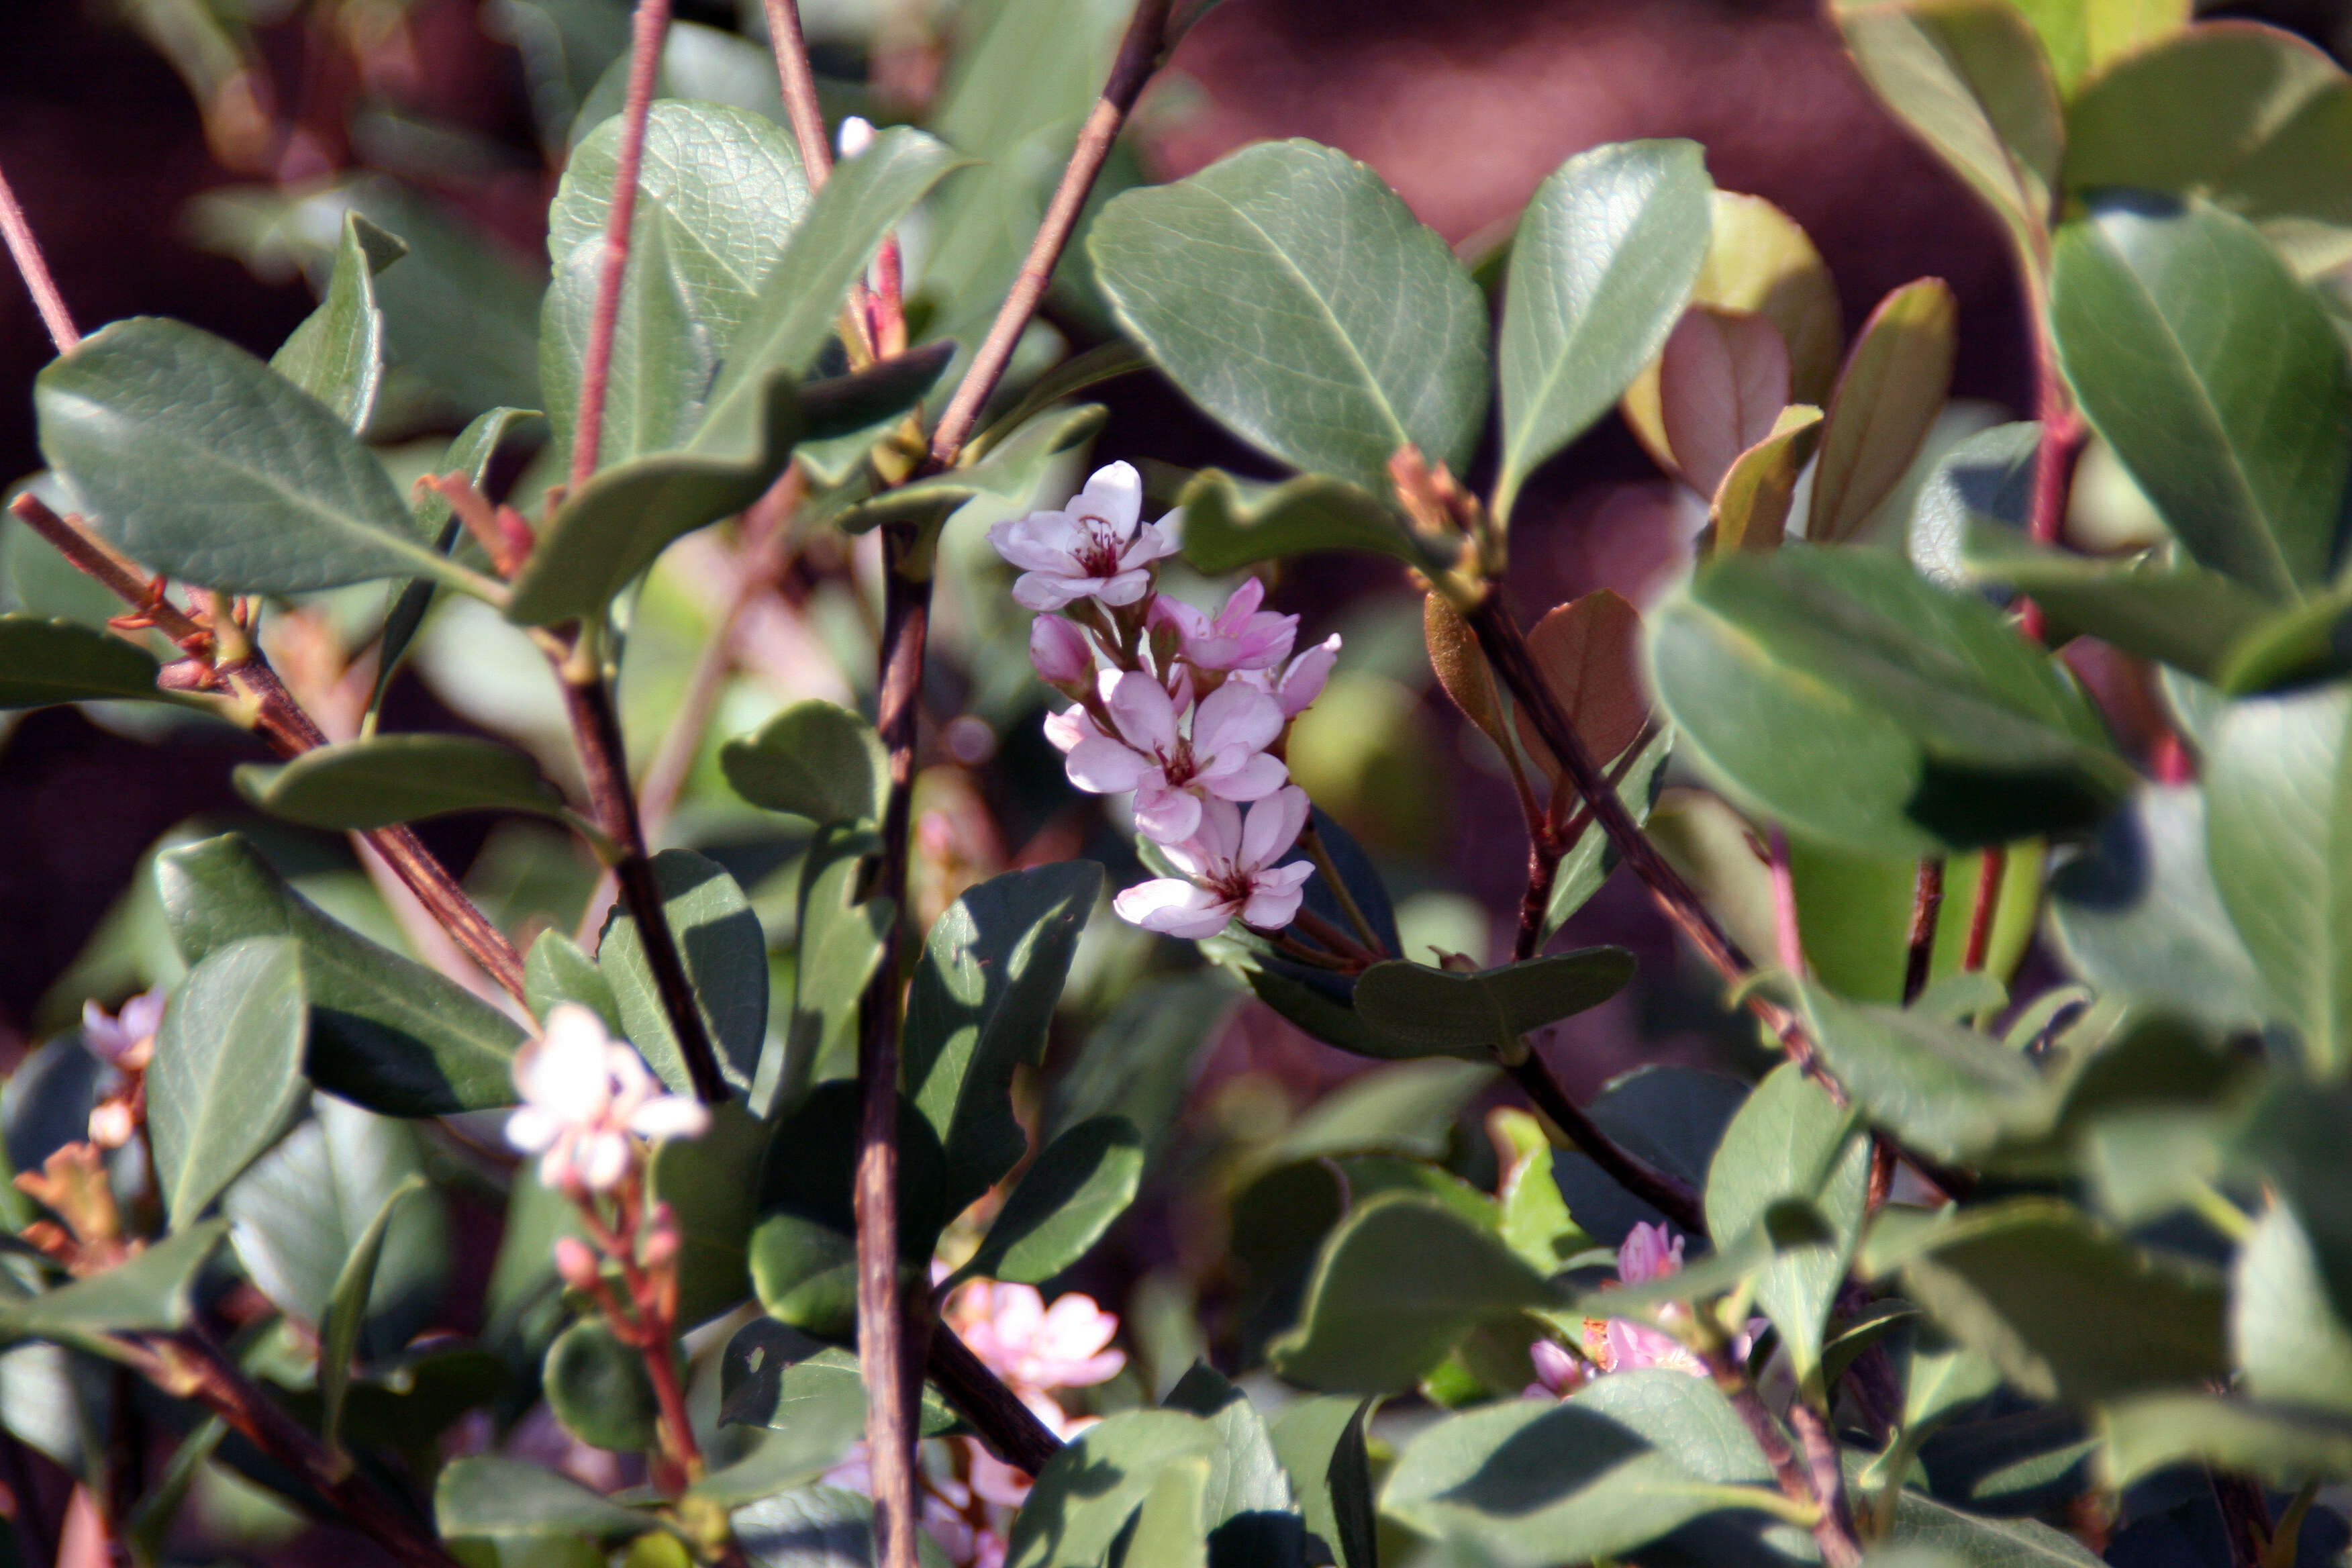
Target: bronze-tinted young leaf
45,661
1750,508
1589,652
1893,387
1723,379
1759,262
1462,668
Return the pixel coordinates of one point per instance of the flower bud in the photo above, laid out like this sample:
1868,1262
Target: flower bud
1060,651
662,1241
857,135
111,1125
575,1264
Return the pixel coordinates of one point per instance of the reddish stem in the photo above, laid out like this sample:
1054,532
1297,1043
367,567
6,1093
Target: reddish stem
650,26
1788,938
798,80
1926,910
1981,919
34,268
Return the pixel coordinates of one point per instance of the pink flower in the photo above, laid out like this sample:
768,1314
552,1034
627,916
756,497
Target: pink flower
1648,1252
1098,548
125,1039
1033,1347
1223,755
1061,652
1302,683
1557,1372
1229,871
1242,636
586,1097
1629,1346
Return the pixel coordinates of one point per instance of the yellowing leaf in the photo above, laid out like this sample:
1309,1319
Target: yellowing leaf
1894,386
1750,511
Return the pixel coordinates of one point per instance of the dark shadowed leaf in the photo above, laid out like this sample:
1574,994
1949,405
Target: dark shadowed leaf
726,955
43,661
1081,1182
1435,1012
347,1308
493,1496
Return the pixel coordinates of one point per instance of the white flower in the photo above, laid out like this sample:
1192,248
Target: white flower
1231,871
857,135
1221,753
1302,683
585,1096
1098,547
127,1038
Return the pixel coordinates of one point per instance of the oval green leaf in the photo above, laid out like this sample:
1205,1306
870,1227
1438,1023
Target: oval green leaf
374,782
45,661
227,1074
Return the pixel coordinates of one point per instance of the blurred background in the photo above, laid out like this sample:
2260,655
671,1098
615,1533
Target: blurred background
176,157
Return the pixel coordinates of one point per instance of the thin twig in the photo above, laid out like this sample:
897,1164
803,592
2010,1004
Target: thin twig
1544,853
1138,57
1009,1427
2063,436
34,268
2245,1516
1841,1548
1667,1194
893,1389
1987,907
604,764
650,27
1927,912
95,558
1320,852
798,80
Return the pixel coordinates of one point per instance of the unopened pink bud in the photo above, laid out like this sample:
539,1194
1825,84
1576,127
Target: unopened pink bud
575,1264
1060,651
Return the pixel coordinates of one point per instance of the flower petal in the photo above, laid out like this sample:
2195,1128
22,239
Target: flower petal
1272,828
1115,494
1046,591
1271,907
1144,713
1258,776
670,1116
1167,815
1173,908
1124,587
1100,766
1041,542
1235,719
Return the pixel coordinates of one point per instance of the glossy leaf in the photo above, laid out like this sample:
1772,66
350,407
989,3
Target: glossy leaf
599,1389
1436,1012
1010,471
2084,36
1946,1090
815,760
226,1079
1590,859
773,1375
1291,294
1923,1525
2183,334
2176,611
347,1310
337,353
1606,254
1750,508
2278,834
558,970
982,994
1399,1283
809,1526
1985,482
385,1032
1320,1441
1892,388
198,460
1840,693
726,955
804,1251
147,1294
1170,1525
1790,1140
1967,78
388,779
840,944
1087,1491
489,1495
1229,524
45,661
1081,1182
1723,379
1759,262
1620,1463
712,1184
1589,652
1247,1502
2010,1281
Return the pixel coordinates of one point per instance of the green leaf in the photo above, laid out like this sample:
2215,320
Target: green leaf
1607,250
387,779
1983,482
1229,524
1245,1476
719,196
1291,294
1320,1442
300,1213
1967,78
840,946
1924,1524
199,461
2250,117
775,1376
817,760
1603,1473
726,956
2285,1335
2285,1447
982,994
558,970
1011,472
1081,1182
385,1032
337,353
1838,692
1671,1118
1886,401
712,1184
1087,1490
1592,857
1750,508
815,1526
2310,643
2087,35
804,1251
2009,1279
1790,1139
2183,334
2175,611
1169,1526
2294,1137
1399,1282
147,1294
347,1310
598,1387
461,309
226,1079
46,661
491,1495
2137,915
1946,1090
1435,1012
2278,832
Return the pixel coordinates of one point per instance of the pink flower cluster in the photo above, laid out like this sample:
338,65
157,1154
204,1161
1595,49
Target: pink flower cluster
1189,712
1619,1344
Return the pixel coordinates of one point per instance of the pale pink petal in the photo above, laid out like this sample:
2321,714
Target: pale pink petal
1060,651
533,1130
1176,909
1219,839
1165,816
1114,494
670,1116
1069,727
1187,857
1558,1370
1259,775
1155,540
1303,682
1242,605
1271,907
1105,767
1041,542
555,1166
1075,1329
604,1160
1649,1252
1272,827
1235,718
1045,591
1123,587
1145,715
